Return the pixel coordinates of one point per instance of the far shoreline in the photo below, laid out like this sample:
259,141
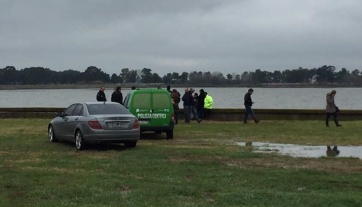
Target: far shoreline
162,85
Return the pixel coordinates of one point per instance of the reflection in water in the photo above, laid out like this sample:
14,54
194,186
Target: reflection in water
305,150
332,152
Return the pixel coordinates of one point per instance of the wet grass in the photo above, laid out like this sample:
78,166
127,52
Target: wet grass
201,166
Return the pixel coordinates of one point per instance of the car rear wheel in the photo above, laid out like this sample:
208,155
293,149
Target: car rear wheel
169,134
51,134
130,144
79,141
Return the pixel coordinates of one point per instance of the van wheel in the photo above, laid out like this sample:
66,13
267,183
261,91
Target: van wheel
169,134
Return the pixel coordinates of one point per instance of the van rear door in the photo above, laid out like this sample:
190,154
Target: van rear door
152,107
162,108
142,107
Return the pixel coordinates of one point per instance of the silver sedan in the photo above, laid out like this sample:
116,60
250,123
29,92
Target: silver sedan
95,122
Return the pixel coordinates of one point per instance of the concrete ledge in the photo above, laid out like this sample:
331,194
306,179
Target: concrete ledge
34,112
216,114
282,114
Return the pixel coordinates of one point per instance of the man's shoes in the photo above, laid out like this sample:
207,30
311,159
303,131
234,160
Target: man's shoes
245,122
199,120
257,121
338,125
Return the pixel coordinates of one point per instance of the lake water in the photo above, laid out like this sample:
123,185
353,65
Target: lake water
309,151
264,98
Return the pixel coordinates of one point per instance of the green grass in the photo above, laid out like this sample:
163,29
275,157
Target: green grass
201,166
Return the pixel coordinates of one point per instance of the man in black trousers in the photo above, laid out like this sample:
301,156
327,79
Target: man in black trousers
248,103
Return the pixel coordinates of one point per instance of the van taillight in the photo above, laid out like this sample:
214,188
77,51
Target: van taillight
136,124
94,124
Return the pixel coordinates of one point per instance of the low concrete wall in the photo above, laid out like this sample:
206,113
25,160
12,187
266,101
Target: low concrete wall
282,114
216,114
36,112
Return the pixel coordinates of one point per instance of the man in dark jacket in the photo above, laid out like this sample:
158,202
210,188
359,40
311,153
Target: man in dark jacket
200,104
117,95
248,103
169,89
101,96
189,102
176,98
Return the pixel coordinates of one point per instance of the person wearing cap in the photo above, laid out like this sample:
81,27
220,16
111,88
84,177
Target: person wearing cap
248,103
331,108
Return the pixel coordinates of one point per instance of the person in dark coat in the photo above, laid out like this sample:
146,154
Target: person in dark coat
101,96
117,95
168,88
188,100
176,98
189,103
248,103
331,108
200,104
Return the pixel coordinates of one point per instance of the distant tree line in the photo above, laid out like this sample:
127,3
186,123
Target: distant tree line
324,75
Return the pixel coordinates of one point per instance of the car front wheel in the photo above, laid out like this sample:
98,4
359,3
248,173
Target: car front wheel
51,134
79,141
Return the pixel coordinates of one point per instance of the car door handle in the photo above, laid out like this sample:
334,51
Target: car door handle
76,119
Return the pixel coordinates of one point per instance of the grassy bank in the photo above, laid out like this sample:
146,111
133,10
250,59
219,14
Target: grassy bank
202,166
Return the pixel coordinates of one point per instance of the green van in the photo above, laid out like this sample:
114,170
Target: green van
153,108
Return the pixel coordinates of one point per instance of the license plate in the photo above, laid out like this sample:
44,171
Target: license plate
143,122
117,125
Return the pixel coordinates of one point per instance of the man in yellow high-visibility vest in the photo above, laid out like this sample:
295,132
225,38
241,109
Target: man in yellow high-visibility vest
207,105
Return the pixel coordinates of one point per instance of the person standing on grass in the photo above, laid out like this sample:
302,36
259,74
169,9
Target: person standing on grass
331,108
248,103
176,98
200,104
208,102
168,88
194,113
189,103
117,95
101,96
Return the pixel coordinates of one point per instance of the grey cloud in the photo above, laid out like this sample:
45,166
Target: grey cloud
166,36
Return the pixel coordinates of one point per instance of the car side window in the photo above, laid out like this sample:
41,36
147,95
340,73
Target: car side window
69,110
78,110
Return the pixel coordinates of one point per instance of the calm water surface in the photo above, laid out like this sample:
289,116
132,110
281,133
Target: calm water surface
264,98
310,151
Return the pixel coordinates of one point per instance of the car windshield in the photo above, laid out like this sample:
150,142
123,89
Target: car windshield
95,109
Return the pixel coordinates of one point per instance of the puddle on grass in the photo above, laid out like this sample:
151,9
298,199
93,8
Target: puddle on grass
308,151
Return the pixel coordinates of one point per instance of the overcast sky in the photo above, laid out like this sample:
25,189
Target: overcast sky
227,36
